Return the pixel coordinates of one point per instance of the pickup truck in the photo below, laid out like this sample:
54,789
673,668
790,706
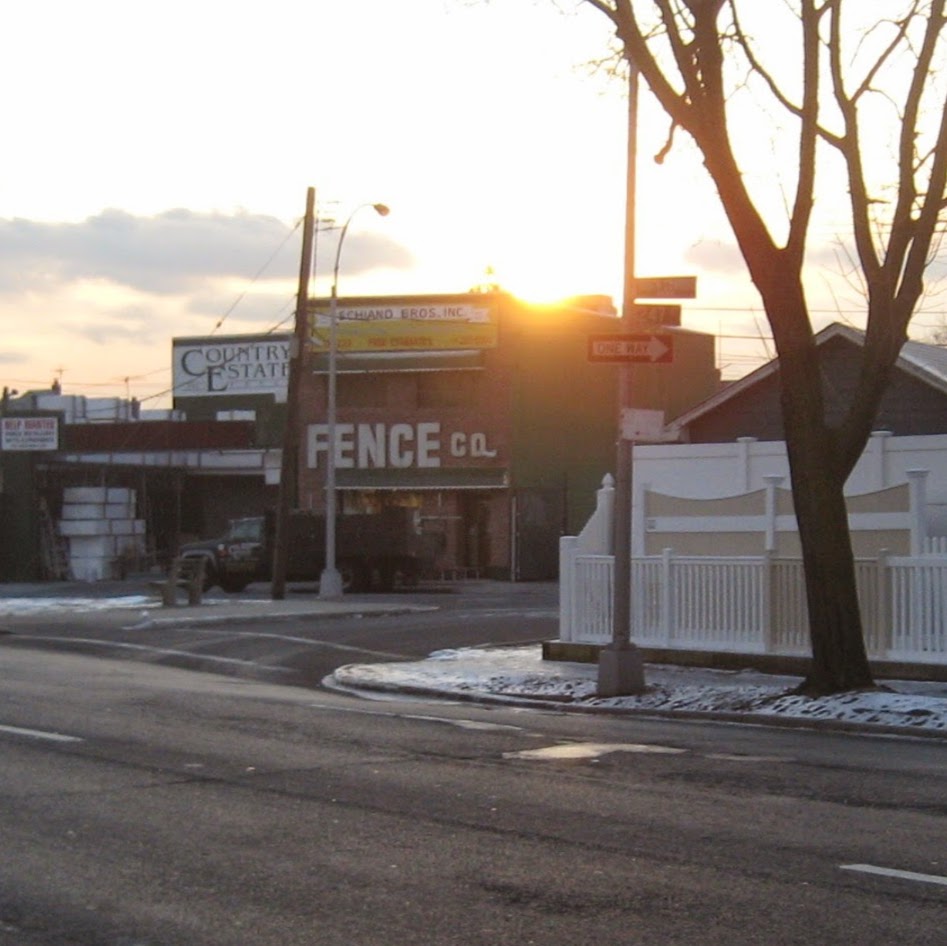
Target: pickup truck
373,550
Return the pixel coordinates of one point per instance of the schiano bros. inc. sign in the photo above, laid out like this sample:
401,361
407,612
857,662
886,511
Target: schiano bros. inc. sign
405,327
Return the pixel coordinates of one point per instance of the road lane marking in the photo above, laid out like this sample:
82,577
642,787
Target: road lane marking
224,637
735,757
39,734
447,720
463,723
899,874
313,642
165,652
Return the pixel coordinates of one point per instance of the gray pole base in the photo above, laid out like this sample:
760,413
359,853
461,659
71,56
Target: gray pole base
620,671
330,584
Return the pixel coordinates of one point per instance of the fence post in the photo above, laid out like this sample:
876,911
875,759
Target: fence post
568,544
597,534
772,480
877,449
884,628
745,459
767,619
917,483
667,595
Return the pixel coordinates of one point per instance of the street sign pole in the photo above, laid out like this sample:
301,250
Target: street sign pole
620,665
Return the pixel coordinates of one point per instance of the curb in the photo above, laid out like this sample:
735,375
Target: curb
166,620
560,705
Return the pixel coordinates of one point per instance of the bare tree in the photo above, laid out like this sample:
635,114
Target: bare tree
844,79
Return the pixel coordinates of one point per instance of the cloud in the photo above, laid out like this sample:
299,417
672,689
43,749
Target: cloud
134,323
175,252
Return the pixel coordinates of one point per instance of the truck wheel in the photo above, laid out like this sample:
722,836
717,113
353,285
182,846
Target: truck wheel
233,585
210,576
386,576
355,577
410,577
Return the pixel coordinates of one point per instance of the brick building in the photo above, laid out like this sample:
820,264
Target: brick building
481,413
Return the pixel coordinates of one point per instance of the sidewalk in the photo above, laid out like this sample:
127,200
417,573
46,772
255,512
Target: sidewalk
519,675
511,675
131,603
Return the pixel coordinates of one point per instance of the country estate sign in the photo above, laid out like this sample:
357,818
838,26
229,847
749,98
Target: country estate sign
248,364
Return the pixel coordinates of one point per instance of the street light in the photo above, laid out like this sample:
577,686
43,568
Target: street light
330,582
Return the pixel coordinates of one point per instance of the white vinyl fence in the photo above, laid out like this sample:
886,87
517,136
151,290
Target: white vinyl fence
752,604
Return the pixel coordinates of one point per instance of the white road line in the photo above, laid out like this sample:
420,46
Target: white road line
311,642
40,734
447,720
900,874
225,636
167,652
463,723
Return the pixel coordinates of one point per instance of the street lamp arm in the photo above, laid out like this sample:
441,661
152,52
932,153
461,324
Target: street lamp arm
330,582
381,209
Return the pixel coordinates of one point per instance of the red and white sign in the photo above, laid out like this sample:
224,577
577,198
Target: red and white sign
29,433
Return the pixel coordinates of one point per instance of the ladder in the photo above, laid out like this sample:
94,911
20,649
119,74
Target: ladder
54,556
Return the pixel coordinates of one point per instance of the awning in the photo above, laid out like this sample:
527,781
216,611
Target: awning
382,362
442,478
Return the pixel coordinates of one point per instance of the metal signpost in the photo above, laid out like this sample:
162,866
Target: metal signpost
620,667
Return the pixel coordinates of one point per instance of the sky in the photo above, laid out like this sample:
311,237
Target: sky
157,156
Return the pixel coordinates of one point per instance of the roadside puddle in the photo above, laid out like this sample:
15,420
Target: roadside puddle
589,750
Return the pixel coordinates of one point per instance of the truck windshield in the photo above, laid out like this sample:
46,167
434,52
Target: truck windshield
246,530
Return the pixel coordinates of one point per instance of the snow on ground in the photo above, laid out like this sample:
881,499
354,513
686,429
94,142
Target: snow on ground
516,673
20,606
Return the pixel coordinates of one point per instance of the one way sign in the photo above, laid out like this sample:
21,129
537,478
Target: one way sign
632,349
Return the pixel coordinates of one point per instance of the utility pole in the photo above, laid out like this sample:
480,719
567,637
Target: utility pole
620,666
289,461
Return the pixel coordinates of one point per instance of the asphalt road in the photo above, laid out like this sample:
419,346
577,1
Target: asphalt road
145,805
301,650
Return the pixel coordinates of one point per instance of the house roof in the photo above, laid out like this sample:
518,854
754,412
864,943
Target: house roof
926,362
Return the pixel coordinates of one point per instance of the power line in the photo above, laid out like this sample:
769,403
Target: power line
256,276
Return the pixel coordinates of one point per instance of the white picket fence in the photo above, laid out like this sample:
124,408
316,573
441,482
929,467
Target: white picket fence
752,604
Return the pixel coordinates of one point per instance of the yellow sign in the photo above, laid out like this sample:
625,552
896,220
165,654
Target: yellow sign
405,328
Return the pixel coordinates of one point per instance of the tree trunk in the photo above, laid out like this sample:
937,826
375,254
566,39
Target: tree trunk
839,659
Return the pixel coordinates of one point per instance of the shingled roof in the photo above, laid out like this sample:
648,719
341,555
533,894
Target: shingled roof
926,362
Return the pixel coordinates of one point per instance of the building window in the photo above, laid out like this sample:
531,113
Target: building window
448,389
361,390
